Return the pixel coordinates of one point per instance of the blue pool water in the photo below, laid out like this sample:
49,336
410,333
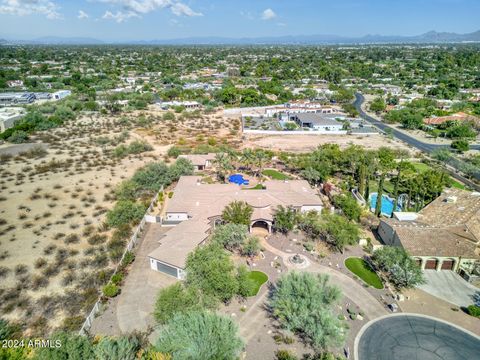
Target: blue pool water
387,204
238,179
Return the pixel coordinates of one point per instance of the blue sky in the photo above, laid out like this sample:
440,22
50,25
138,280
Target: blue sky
167,19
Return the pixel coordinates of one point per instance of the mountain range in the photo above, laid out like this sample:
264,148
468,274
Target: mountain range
432,37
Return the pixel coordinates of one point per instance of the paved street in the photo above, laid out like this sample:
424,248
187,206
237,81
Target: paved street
449,286
428,148
409,336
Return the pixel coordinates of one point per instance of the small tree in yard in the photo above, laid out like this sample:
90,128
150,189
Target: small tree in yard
199,336
401,269
303,303
284,219
349,206
125,212
210,269
251,247
339,232
231,236
238,212
178,298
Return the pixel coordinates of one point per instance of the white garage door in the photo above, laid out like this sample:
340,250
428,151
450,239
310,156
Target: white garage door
170,270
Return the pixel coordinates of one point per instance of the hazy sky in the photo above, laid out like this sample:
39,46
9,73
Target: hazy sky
167,19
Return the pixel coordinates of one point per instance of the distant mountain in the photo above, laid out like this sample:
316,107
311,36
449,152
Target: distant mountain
429,37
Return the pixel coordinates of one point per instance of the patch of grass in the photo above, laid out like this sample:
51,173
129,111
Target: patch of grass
256,187
363,270
457,185
275,174
259,278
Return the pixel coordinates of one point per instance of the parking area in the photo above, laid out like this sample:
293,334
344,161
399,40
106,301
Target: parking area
449,286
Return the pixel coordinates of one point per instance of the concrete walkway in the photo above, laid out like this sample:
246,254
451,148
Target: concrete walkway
449,286
350,288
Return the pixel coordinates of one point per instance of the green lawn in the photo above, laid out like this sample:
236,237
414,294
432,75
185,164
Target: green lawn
421,166
457,185
274,174
256,187
361,268
259,278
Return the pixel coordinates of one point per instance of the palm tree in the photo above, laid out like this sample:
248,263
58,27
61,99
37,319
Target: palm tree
247,158
386,162
260,158
237,212
223,165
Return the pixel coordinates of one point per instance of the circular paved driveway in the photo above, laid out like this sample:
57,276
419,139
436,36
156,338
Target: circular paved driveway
411,337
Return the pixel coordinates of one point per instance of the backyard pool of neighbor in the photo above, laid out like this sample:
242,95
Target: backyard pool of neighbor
387,204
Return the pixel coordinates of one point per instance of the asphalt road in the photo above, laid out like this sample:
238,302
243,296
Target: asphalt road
428,148
414,337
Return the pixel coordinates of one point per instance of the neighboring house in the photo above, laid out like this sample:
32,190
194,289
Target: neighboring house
15,83
317,122
445,235
18,98
200,161
438,120
9,115
61,94
196,208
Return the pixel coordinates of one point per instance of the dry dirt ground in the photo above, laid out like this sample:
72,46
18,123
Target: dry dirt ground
52,202
306,143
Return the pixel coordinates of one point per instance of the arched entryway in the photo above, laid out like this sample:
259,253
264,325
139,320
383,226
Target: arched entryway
261,227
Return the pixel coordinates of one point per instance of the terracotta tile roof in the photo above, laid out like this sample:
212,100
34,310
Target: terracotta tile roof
448,226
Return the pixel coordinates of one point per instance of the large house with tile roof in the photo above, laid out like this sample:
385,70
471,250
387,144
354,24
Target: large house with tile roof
196,208
445,235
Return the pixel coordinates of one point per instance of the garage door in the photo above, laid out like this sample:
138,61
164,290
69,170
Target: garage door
431,264
447,265
170,270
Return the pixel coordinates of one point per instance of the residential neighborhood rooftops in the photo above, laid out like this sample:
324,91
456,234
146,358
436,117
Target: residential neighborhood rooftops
199,159
448,226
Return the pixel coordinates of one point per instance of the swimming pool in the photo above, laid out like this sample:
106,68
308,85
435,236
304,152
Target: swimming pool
387,204
238,179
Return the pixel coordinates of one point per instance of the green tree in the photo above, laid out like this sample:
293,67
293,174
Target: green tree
338,231
74,347
401,269
223,165
210,269
125,212
349,206
378,105
304,303
284,219
237,212
386,162
230,236
460,145
251,247
199,336
178,298
119,348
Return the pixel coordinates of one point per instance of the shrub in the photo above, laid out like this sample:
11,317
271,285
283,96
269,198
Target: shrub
111,290
474,310
128,258
285,355
117,279
204,334
251,247
125,212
